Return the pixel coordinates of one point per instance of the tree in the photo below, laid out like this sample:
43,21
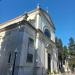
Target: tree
71,46
65,53
71,43
59,45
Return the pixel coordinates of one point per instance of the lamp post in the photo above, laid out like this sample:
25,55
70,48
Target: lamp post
13,69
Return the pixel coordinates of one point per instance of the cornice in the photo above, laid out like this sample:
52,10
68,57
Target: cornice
23,22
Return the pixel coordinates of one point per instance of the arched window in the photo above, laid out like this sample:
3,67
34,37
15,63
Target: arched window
47,33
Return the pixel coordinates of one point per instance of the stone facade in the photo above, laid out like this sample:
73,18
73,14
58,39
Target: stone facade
27,45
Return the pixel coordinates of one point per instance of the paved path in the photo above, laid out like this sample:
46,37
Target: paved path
64,74
68,74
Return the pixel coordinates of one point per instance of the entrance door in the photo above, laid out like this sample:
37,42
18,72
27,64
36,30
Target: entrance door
49,62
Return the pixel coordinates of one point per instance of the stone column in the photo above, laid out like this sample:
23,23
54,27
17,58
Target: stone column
35,54
37,21
46,60
54,60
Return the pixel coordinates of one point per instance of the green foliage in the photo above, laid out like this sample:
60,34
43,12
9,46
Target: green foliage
72,52
49,72
65,52
54,72
59,45
71,46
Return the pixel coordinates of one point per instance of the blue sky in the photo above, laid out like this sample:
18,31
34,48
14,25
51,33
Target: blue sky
61,11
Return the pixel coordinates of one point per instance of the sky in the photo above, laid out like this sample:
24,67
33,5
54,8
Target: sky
62,13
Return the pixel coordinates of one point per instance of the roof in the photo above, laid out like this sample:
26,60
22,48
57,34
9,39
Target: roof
48,17
10,22
45,13
22,17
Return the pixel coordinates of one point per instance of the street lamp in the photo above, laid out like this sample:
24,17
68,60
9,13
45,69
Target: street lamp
13,69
